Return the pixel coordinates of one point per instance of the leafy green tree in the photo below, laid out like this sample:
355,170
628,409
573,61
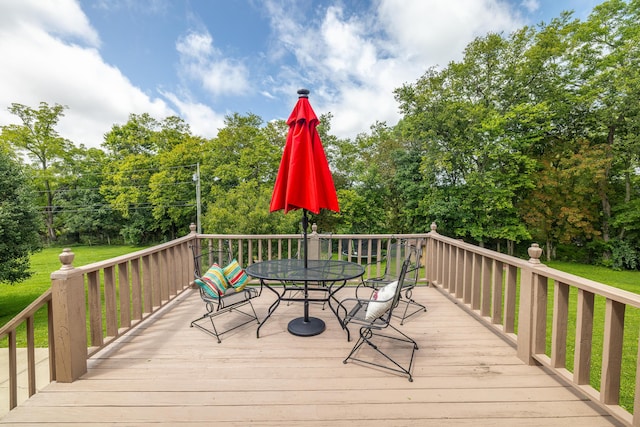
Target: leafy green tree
148,176
85,215
239,168
606,53
19,221
475,170
38,139
562,209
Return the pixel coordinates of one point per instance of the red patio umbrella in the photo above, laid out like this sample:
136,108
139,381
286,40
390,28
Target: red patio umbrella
304,182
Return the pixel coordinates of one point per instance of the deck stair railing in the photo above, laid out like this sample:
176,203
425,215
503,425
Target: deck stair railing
90,306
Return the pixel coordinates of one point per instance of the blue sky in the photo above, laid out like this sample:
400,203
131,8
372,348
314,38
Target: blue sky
204,59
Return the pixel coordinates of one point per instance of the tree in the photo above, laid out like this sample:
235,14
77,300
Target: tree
475,168
19,221
38,138
606,54
239,168
149,176
84,214
561,209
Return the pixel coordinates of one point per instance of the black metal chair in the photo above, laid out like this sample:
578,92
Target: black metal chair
412,251
218,299
373,316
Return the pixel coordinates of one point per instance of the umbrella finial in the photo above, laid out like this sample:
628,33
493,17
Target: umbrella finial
303,93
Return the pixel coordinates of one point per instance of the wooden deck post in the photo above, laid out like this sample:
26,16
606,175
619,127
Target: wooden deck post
430,257
313,242
528,313
69,320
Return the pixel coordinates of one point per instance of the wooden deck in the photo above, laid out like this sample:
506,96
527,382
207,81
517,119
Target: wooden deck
165,373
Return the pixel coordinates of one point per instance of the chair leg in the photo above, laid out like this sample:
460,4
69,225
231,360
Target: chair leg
408,301
213,332
249,317
366,335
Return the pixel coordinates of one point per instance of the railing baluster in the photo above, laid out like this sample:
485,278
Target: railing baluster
124,292
31,356
476,282
510,287
147,282
612,352
487,263
110,301
156,296
136,289
13,370
51,341
584,331
95,310
560,322
541,298
496,292
467,277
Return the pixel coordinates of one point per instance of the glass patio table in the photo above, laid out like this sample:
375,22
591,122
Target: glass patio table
322,278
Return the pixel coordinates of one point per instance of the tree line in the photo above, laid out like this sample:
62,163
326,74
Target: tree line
531,136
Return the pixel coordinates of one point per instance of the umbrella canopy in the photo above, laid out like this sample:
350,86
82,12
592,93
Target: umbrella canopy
304,180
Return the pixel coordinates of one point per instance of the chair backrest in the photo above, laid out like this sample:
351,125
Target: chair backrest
396,296
414,254
395,255
326,247
203,259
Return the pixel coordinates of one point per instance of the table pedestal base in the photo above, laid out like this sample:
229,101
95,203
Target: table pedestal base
313,326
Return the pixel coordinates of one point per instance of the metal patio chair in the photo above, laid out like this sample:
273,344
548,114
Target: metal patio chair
410,250
222,291
373,316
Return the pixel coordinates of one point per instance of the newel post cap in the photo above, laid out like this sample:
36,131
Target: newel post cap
66,259
535,251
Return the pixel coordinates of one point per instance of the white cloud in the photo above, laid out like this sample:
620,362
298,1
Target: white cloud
202,62
62,18
202,119
353,63
50,55
436,32
531,5
351,60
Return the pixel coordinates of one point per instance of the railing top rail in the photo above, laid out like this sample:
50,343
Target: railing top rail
498,256
298,236
122,258
619,295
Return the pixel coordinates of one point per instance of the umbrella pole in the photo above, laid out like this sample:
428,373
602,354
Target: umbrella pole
305,247
306,326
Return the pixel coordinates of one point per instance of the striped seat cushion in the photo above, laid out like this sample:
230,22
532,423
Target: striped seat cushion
235,275
213,282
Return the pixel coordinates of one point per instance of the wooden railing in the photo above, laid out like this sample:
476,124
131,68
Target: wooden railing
90,306
9,331
512,296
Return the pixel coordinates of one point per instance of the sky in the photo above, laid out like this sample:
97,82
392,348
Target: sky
203,60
